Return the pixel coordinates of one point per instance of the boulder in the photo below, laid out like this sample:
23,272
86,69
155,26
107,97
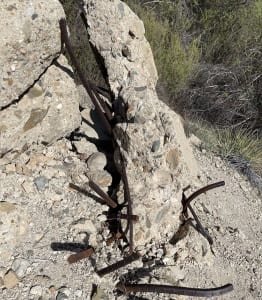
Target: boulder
28,44
47,112
159,159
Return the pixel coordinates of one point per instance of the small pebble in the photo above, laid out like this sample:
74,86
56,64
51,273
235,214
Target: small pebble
20,266
59,106
36,290
61,296
41,183
27,186
10,279
155,146
78,293
13,67
10,168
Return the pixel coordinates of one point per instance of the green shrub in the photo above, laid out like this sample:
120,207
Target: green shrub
231,31
241,147
240,144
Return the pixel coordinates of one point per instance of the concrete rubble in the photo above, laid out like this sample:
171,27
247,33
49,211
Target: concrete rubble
152,140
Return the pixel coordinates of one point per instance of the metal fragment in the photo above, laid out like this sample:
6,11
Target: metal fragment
80,255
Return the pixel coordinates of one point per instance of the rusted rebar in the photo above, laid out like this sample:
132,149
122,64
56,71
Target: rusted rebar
128,199
134,218
186,205
167,289
127,260
85,82
200,228
103,104
80,255
187,201
102,194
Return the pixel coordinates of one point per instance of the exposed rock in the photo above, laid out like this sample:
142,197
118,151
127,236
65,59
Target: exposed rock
41,118
91,126
153,142
156,145
36,290
20,266
28,44
10,279
61,296
101,177
84,148
84,226
10,168
41,183
63,293
13,226
6,207
97,161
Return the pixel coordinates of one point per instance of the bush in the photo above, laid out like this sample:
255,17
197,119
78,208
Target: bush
240,147
227,87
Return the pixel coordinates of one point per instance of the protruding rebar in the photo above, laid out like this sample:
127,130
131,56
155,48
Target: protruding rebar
129,259
86,84
80,255
102,194
186,201
167,289
129,206
134,218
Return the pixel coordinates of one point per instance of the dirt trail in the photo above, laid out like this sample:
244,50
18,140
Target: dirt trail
58,222
232,215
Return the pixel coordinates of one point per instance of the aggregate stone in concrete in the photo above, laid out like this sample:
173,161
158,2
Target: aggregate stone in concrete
29,41
41,117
